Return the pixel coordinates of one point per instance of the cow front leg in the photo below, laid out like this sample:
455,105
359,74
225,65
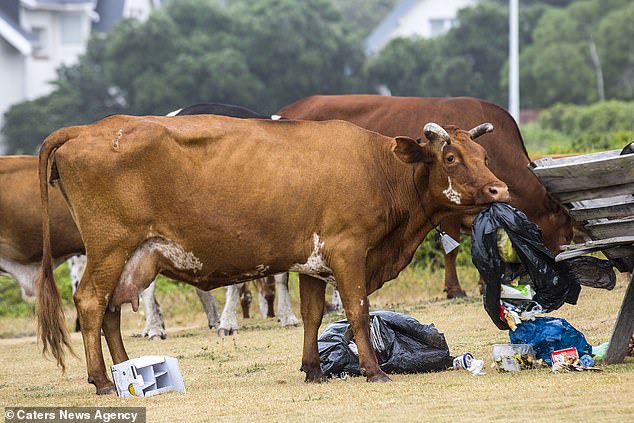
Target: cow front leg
154,323
210,305
351,283
312,294
112,333
452,284
284,308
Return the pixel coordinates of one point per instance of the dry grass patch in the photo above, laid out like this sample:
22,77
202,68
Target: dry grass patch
254,376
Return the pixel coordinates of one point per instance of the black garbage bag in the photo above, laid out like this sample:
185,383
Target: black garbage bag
554,283
401,343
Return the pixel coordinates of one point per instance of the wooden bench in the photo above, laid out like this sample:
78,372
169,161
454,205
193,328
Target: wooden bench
597,190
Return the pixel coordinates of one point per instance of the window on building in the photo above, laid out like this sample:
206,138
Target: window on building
71,24
39,42
440,26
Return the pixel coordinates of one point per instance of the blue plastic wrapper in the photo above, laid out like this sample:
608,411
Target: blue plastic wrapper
587,361
548,334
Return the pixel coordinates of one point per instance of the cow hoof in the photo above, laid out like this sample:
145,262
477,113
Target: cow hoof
458,294
312,378
379,378
226,332
157,337
313,375
107,390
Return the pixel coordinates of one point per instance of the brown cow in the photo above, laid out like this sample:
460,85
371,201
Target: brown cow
508,159
21,225
174,195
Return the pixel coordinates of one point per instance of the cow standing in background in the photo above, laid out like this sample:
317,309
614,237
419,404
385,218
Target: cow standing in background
507,156
174,195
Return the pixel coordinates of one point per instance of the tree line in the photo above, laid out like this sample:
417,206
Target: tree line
264,54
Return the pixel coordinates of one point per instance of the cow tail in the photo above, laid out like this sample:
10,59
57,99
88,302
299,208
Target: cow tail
51,323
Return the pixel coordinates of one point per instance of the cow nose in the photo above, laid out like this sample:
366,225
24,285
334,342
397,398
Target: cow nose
496,191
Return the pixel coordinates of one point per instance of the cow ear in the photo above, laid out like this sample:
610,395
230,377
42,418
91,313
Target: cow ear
409,151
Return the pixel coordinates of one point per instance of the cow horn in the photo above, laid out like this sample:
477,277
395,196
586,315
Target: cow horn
480,130
432,129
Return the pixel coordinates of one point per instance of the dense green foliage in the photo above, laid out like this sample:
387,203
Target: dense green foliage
264,54
568,128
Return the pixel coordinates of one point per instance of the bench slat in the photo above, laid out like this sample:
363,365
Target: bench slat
603,208
562,175
611,228
590,194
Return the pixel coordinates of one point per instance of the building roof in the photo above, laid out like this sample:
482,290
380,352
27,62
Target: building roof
11,31
377,37
110,12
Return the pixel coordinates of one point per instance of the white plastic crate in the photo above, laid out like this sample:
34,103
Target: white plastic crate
146,376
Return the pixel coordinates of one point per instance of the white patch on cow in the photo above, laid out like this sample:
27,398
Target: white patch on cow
174,113
276,117
115,142
453,195
176,254
361,303
25,274
315,265
261,269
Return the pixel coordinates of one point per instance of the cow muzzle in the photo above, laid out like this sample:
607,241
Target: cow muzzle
494,192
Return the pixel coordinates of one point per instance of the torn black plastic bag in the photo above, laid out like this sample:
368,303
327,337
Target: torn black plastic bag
401,343
554,283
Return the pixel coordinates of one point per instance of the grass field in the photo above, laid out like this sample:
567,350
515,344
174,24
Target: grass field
254,376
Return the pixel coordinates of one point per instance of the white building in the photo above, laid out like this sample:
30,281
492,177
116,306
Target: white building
38,36
415,18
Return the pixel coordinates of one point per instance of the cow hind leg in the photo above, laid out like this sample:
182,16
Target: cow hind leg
91,301
245,300
284,308
312,294
76,267
266,296
229,318
210,306
154,323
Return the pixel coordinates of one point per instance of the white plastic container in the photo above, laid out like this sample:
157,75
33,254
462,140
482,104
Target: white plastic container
146,376
513,357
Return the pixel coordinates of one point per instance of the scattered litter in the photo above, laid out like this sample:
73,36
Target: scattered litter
568,359
514,357
476,368
147,376
599,351
467,362
463,361
501,236
548,334
401,343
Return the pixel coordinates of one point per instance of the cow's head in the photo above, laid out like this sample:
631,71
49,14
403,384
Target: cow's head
452,167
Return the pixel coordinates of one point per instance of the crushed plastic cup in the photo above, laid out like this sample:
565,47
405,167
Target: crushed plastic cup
463,361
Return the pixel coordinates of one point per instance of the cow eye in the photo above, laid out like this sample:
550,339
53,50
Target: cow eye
451,158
